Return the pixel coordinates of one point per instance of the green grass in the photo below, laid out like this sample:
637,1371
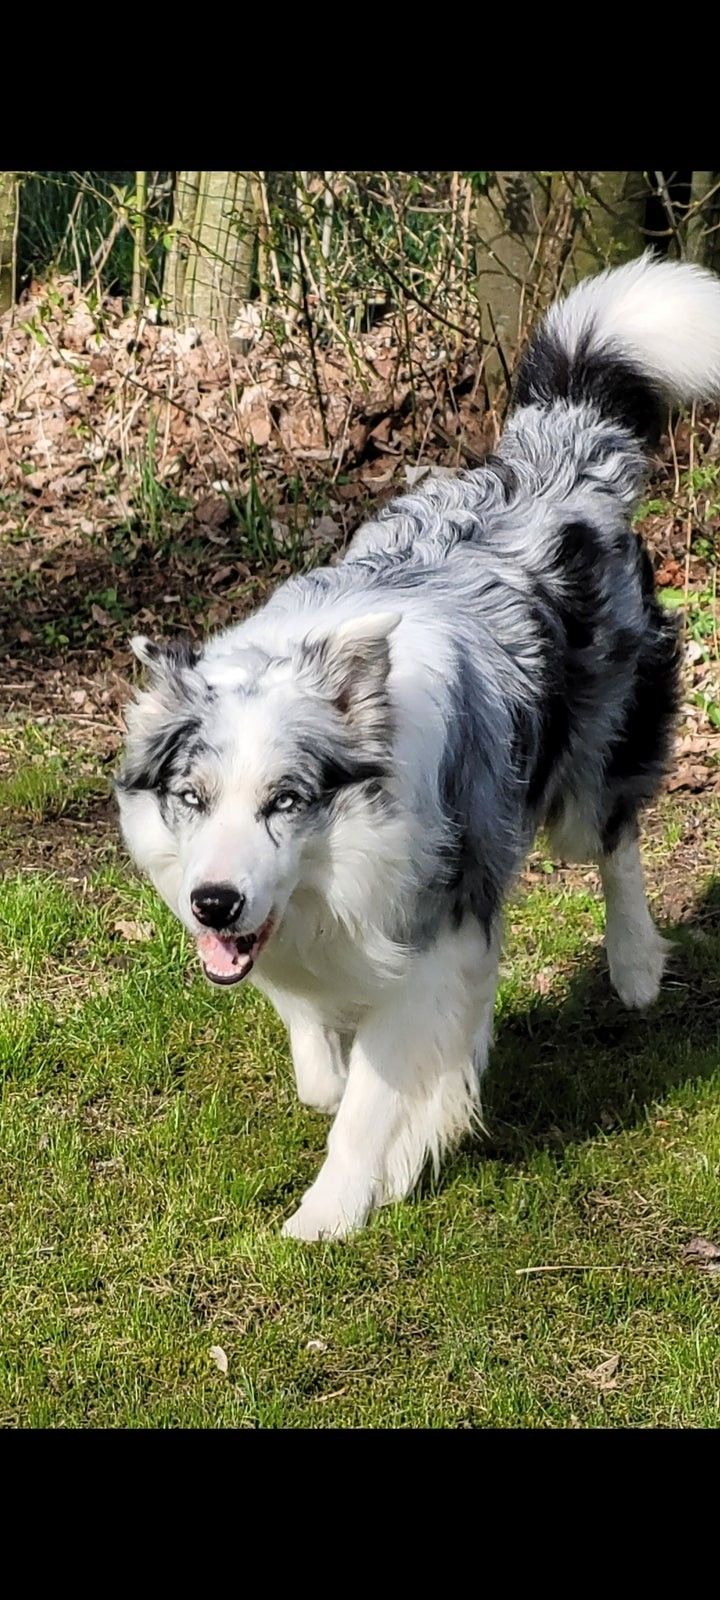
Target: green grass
41,791
44,777
157,505
151,1144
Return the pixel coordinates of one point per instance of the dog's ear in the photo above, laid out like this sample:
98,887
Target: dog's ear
173,687
166,660
349,666
144,650
162,714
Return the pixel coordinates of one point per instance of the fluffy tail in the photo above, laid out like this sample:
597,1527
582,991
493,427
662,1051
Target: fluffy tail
628,341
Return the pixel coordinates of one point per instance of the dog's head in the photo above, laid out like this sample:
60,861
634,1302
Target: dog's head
239,768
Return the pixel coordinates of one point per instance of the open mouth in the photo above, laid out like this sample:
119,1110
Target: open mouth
229,957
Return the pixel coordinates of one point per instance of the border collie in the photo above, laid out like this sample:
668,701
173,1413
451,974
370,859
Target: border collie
337,794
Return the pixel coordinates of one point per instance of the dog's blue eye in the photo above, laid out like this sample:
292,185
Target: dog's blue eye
286,800
190,798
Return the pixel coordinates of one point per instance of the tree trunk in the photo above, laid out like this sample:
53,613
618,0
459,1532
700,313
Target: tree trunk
610,214
208,274
538,233
185,194
703,213
9,199
507,221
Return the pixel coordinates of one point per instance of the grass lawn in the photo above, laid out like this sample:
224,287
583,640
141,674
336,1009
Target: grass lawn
151,1144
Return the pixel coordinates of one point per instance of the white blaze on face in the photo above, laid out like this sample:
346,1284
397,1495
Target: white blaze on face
238,841
263,736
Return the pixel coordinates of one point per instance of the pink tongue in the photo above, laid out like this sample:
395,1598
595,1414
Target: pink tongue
222,955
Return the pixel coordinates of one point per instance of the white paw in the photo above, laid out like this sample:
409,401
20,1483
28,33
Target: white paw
323,1094
636,974
329,1211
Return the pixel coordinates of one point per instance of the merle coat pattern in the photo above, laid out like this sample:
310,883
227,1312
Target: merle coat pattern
337,794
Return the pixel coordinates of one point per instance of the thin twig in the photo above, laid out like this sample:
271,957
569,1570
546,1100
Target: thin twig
100,259
500,351
271,251
70,235
664,193
676,465
311,339
86,716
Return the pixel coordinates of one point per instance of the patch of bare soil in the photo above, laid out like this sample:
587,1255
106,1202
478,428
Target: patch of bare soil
675,871
71,847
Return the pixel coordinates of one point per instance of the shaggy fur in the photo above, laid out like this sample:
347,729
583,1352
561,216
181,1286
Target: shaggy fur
338,793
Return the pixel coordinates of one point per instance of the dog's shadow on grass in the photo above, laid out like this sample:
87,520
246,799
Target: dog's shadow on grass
564,1070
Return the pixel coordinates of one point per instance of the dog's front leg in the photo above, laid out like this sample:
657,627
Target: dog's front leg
318,1059
412,1087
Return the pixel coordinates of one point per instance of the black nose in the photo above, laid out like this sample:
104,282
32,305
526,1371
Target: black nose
217,904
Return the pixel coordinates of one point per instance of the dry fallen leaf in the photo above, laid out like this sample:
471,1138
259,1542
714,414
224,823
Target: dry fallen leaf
604,1375
415,473
382,430
261,429
253,395
670,575
137,932
101,617
702,1253
212,510
217,1354
247,327
695,746
187,341
325,531
316,1344
690,776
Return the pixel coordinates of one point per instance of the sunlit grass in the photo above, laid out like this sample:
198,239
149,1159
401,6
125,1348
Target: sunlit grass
151,1144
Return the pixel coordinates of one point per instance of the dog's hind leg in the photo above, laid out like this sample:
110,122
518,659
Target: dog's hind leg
636,952
413,1084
